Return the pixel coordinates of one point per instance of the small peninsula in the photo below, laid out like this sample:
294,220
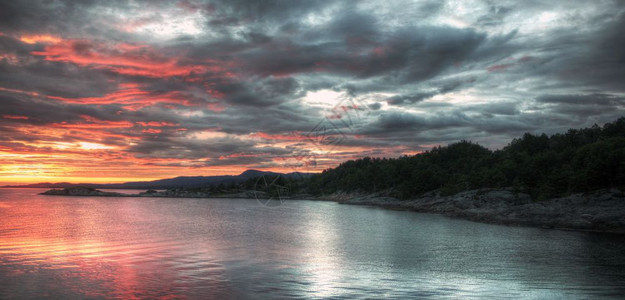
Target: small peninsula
82,191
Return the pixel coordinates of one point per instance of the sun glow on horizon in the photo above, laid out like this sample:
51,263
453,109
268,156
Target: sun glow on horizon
23,180
110,91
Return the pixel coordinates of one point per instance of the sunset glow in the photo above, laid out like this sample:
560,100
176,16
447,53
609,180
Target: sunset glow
113,92
33,39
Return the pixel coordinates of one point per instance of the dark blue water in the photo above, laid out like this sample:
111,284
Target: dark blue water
70,247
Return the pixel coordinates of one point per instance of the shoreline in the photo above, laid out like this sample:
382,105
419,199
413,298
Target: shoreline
602,211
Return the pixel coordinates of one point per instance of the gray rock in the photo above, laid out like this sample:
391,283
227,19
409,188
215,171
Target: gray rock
601,210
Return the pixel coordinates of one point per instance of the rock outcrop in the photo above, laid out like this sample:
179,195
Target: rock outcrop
602,210
82,191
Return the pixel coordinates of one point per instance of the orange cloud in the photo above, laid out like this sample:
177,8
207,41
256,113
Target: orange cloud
151,130
14,117
92,122
40,38
127,59
157,124
132,98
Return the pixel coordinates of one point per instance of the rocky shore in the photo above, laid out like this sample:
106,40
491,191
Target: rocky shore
86,191
601,211
83,191
172,193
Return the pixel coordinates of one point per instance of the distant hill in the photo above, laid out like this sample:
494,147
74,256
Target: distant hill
177,182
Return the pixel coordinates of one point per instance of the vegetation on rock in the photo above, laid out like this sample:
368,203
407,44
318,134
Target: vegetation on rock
580,160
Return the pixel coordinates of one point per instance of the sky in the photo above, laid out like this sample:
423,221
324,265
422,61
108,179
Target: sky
114,91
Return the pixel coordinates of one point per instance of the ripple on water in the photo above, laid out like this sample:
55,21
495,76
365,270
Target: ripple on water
56,247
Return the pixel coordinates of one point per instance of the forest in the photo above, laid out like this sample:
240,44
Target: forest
580,160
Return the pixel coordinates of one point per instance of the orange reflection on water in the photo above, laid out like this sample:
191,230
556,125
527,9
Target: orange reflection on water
95,250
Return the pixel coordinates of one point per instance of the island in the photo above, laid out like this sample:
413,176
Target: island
83,191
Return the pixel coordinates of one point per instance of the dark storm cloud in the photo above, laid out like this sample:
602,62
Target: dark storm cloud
421,96
602,67
498,108
263,92
66,18
274,119
426,72
35,15
590,99
583,105
24,72
375,106
54,79
273,10
169,148
408,54
38,112
404,99
395,122
469,123
222,148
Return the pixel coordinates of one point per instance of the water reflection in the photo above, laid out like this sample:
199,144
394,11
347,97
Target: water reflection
56,247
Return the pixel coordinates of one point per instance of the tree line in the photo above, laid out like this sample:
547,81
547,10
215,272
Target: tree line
580,160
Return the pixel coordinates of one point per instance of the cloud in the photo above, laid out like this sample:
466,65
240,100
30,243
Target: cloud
580,99
261,92
584,105
403,99
126,59
217,86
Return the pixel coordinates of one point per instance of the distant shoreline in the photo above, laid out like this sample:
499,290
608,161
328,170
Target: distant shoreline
600,211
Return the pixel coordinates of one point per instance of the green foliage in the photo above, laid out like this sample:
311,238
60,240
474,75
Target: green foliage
579,160
544,166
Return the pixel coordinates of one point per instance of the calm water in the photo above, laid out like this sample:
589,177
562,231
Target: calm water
67,247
